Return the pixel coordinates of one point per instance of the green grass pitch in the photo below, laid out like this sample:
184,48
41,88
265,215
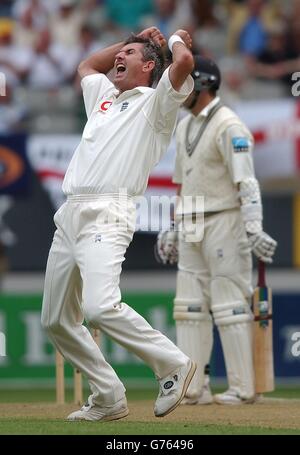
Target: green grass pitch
34,412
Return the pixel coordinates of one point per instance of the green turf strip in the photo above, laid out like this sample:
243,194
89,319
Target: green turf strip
58,427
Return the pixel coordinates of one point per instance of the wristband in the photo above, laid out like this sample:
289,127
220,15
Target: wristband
174,39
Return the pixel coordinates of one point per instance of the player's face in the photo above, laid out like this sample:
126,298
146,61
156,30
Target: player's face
129,67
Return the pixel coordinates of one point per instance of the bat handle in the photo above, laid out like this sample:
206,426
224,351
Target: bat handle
261,274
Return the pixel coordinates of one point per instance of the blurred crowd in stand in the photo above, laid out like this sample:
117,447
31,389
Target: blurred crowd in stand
255,42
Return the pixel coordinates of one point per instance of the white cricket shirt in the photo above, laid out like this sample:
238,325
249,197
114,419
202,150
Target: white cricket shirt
221,159
125,135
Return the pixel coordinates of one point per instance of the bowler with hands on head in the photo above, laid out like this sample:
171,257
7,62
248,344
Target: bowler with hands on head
129,126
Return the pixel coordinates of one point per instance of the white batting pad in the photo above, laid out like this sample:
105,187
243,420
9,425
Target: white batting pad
236,341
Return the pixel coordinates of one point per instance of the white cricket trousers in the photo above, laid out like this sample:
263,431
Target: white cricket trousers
82,282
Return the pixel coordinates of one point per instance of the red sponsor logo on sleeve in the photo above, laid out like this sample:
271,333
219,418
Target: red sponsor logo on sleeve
105,105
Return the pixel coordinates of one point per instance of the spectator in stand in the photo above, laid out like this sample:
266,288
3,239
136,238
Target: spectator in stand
12,113
238,84
66,22
275,62
247,23
209,33
87,45
253,37
88,42
94,11
14,59
31,17
42,8
49,67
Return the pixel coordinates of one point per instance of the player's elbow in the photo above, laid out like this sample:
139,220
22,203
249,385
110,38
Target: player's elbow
83,68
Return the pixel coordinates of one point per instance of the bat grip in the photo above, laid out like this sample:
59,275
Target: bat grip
261,274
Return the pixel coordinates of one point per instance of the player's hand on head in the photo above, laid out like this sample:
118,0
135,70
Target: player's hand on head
147,32
158,37
155,35
263,246
185,36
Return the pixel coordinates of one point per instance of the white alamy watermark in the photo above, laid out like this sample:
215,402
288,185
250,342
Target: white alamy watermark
2,345
295,349
156,213
296,86
2,84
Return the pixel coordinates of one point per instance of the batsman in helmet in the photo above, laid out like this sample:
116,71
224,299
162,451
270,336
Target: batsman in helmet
214,241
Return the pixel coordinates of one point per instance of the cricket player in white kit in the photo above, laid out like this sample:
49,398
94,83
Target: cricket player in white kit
128,129
214,161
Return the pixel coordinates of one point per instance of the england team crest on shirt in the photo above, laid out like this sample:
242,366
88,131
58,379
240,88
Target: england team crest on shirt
124,106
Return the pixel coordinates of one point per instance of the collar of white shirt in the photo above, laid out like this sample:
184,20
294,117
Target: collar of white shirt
208,108
128,93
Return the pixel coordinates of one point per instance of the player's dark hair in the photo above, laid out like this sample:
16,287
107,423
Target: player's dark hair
153,52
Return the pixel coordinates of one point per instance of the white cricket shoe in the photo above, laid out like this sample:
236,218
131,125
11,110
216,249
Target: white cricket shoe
205,397
231,397
173,389
93,412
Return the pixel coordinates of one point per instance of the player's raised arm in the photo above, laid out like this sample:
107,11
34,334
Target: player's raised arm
183,63
100,62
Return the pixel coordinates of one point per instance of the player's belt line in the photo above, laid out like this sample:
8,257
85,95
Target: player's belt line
98,197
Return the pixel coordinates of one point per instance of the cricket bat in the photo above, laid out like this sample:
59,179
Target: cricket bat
263,334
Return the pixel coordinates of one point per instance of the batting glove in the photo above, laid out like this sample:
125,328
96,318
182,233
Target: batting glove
166,248
263,246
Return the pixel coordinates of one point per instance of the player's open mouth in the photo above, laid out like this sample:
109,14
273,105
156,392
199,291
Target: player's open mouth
120,68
